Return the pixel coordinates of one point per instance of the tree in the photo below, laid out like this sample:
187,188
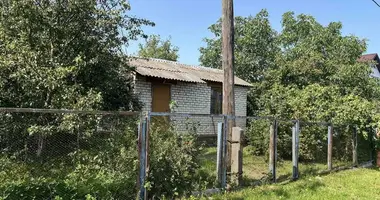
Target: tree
157,48
67,55
56,54
64,54
314,56
317,78
307,71
255,46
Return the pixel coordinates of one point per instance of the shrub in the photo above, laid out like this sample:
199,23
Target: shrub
174,163
104,166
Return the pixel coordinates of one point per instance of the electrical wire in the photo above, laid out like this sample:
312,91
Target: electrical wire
376,3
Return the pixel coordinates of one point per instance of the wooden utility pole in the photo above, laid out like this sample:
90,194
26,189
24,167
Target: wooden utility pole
228,67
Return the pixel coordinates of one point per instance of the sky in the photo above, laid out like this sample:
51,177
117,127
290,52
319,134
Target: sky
187,21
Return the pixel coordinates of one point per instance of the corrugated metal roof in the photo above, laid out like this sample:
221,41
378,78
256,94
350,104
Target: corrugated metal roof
181,72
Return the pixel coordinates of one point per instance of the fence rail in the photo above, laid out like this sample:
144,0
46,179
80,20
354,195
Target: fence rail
132,113
66,111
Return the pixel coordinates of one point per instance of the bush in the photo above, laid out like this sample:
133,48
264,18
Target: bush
257,136
104,166
174,163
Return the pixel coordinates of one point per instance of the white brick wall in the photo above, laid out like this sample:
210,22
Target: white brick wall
241,105
143,89
241,101
193,98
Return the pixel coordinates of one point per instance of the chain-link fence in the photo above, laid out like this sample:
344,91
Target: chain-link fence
67,154
256,152
61,154
303,149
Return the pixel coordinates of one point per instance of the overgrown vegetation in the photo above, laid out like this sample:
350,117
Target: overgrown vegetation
70,55
100,163
306,71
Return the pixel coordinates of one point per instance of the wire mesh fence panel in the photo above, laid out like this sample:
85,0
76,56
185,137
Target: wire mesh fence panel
68,156
76,155
256,152
284,151
342,146
365,145
313,146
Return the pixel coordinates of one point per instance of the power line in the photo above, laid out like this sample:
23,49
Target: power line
376,3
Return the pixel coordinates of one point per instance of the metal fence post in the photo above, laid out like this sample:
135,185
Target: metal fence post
225,160
355,147
142,158
329,146
139,127
219,155
273,149
147,132
370,137
295,147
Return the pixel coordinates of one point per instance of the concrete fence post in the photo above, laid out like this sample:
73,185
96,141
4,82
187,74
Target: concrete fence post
237,156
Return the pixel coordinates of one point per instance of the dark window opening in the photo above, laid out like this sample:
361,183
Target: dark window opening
216,100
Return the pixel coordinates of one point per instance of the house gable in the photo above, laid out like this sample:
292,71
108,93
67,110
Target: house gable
374,67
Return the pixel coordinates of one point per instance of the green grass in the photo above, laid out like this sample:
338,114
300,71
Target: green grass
255,168
349,184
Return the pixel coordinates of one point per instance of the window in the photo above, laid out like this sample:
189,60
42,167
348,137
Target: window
216,100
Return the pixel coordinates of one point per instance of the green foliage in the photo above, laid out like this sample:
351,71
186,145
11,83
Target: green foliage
255,46
319,78
69,54
311,72
377,142
101,165
157,48
258,137
60,54
66,54
72,166
174,163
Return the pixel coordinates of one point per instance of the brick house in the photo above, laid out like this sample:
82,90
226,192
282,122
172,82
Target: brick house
192,89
